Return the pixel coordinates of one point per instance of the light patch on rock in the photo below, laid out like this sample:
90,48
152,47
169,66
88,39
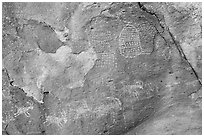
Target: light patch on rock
88,59
53,64
62,53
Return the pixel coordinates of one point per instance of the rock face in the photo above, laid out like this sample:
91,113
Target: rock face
99,68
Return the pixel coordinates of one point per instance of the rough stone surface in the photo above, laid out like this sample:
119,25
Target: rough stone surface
101,68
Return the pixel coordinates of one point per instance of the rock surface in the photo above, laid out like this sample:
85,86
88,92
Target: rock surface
101,68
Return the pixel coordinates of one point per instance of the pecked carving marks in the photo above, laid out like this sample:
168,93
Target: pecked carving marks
129,42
